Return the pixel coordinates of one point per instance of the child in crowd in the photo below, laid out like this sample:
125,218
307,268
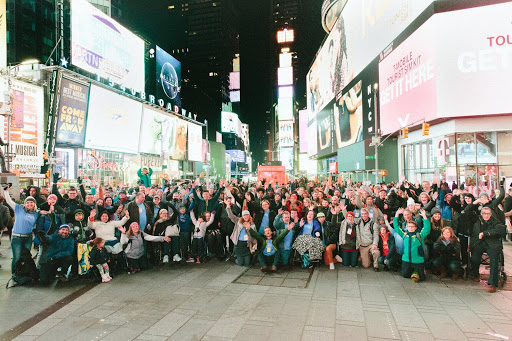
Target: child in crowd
413,261
200,225
185,223
241,236
386,246
99,257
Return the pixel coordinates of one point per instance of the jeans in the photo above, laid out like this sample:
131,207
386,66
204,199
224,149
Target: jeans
18,243
283,256
197,247
449,264
408,268
185,244
215,244
174,245
349,258
49,269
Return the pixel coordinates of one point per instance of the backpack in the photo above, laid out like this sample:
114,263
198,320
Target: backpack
25,270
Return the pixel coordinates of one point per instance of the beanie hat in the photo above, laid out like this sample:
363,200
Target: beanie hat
29,198
52,196
350,213
320,215
244,212
435,210
134,224
481,195
63,226
410,201
162,210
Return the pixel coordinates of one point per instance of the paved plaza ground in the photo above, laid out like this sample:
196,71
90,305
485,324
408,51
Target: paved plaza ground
222,301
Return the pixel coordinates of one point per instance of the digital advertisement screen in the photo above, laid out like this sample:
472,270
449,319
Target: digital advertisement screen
325,140
407,79
303,131
168,78
286,157
312,138
285,108
113,122
180,146
285,76
101,46
157,131
195,142
234,96
362,31
234,80
236,155
286,134
229,122
72,114
348,116
27,125
285,91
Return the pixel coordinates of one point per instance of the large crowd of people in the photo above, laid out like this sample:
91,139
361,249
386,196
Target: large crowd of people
408,227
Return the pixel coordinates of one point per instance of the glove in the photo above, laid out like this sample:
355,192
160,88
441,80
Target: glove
56,177
79,180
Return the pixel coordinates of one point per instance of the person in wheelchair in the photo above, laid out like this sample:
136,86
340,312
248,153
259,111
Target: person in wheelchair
447,254
167,226
486,237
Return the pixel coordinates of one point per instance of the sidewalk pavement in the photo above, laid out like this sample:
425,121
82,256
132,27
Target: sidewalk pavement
201,302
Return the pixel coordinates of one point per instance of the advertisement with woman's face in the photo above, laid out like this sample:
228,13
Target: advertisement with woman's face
348,116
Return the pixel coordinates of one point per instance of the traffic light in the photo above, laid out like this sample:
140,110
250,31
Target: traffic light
425,128
405,133
383,172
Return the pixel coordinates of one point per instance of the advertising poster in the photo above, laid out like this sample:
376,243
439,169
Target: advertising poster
27,138
286,157
348,116
157,132
101,46
407,78
180,141
168,78
72,114
362,31
312,138
195,142
17,98
205,152
303,131
286,134
325,135
475,74
113,122
229,122
236,155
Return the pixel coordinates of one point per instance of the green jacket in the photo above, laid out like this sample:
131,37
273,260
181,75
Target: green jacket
275,241
413,242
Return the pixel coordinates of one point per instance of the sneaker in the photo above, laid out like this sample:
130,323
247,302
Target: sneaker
104,280
491,288
176,258
166,259
273,268
415,278
331,266
190,260
198,261
264,269
338,258
109,278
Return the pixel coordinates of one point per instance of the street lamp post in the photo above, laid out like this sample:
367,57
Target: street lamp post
8,112
376,138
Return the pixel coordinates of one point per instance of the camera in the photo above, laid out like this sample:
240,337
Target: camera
7,185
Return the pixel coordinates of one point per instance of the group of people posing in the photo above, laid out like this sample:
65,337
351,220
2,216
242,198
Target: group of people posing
400,226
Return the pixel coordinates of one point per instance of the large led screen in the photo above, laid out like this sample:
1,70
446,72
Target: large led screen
362,31
236,155
407,79
195,144
286,157
303,131
168,78
180,146
312,138
348,116
158,132
102,46
113,122
27,126
286,134
72,115
230,122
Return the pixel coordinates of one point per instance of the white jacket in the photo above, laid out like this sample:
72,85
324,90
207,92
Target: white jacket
106,231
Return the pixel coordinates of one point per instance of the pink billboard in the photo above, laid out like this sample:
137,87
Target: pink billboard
303,131
407,81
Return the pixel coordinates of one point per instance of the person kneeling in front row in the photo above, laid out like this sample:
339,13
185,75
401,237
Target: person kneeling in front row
60,248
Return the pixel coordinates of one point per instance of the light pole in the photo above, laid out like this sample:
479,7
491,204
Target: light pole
8,111
376,137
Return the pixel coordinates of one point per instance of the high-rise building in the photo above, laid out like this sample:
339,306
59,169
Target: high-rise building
205,39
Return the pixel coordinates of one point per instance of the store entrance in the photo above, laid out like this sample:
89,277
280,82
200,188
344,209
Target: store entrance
478,179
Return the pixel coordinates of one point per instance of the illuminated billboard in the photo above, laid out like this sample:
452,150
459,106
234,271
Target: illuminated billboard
168,78
157,133
361,32
285,76
236,155
234,96
286,134
286,157
285,36
113,122
72,114
27,125
180,145
195,142
285,59
101,46
303,131
230,123
285,91
285,108
234,80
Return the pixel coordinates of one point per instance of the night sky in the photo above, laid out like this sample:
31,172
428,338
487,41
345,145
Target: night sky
151,20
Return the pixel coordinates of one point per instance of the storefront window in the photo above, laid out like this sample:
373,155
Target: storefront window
486,149
466,149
